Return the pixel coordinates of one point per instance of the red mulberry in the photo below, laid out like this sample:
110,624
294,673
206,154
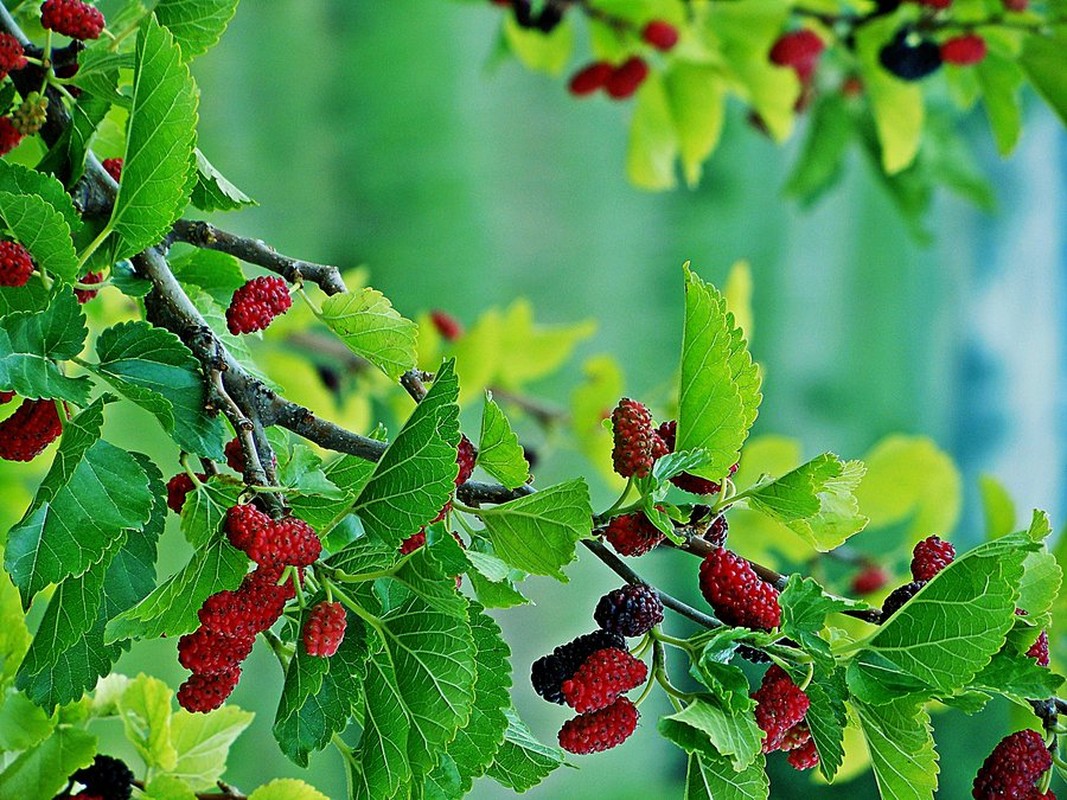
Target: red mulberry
16,266
738,595
805,756
799,50
9,136
446,325
661,35
627,78
930,556
600,730
869,579
963,51
632,534
113,167
601,678
257,303
1013,769
549,672
1039,650
325,629
85,295
780,705
26,433
72,18
590,78
203,693
632,431
208,653
12,56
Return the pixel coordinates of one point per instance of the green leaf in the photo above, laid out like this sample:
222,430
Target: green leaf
1019,677
1000,79
709,776
697,98
14,635
30,342
92,493
41,772
821,163
415,476
212,191
197,25
538,533
949,631
19,180
145,709
202,742
897,105
1042,60
815,501
493,580
707,725
368,324
998,507
287,789
827,718
155,370
43,230
522,762
537,50
1040,586
167,787
653,144
205,509
720,384
901,745
159,143
499,452
218,274
22,723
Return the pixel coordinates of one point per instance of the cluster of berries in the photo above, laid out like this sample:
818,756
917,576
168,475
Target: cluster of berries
911,55
928,558
1014,769
106,778
634,534
26,433
781,708
621,80
16,263
592,673
255,305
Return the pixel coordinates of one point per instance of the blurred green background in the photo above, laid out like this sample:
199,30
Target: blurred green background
374,133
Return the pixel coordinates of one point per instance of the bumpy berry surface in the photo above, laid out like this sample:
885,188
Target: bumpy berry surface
661,35
85,295
235,456
738,595
1012,770
600,730
178,489
590,78
631,424
465,458
26,433
1039,650
899,596
203,693
627,78
243,523
448,326
799,50
930,556
795,738
325,629
780,705
72,18
9,136
910,60
12,56
805,756
31,114
632,534
601,678
549,672
254,607
717,531
963,50
15,264
286,542
869,579
113,167
106,777
632,610
413,542
255,305
208,653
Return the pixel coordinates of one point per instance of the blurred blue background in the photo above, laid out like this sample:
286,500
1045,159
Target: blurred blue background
374,133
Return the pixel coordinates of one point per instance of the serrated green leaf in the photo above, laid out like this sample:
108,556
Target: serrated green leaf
212,191
368,324
415,476
709,776
720,384
827,717
31,342
92,493
202,742
1042,60
1019,677
153,368
22,723
197,25
41,772
652,145
707,725
287,789
205,510
522,762
697,98
43,230
499,451
145,709
159,143
901,745
19,180
31,297
815,501
218,274
538,533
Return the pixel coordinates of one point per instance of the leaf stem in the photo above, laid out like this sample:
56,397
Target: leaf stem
355,607
95,245
618,502
659,670
673,641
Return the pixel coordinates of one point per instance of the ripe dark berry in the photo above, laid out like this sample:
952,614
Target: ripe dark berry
26,433
805,756
235,456
626,78
603,677
9,136
85,295
208,652
963,50
447,325
465,458
1013,769
898,597
178,489
780,705
243,523
661,35
324,630
910,57
869,579
204,693
253,608
632,610
1039,650
549,672
12,56
930,556
106,777
16,266
255,305
717,531
6,397
72,18
799,50
631,424
285,542
632,534
600,730
738,595
590,78
113,167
